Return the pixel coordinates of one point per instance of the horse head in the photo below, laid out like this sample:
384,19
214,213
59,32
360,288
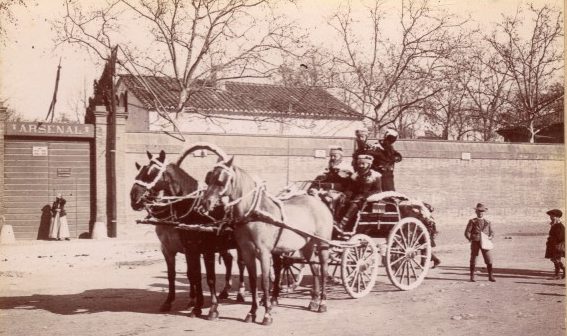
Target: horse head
220,183
147,182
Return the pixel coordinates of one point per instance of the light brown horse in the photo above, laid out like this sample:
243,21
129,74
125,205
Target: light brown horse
259,231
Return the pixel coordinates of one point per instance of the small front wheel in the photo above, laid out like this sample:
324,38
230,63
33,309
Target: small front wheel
359,266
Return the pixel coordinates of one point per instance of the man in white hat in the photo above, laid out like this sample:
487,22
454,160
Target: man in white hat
385,157
364,182
334,181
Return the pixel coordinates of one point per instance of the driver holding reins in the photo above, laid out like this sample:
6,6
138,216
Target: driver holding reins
364,182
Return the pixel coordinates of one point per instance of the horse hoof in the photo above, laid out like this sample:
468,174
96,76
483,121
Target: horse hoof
213,316
322,308
196,313
313,306
267,320
274,301
240,298
165,307
223,295
250,318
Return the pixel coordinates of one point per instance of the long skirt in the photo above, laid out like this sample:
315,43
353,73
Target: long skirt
59,229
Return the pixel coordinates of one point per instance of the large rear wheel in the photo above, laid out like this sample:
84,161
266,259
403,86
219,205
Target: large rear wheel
408,253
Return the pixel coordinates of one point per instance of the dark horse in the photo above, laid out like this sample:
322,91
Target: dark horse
157,177
259,232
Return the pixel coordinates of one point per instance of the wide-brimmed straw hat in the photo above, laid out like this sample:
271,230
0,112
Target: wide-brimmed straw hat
480,207
555,213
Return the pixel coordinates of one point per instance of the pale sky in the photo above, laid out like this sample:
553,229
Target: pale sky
28,62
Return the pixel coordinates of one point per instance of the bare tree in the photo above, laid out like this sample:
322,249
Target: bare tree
447,112
533,62
484,78
391,75
7,16
195,42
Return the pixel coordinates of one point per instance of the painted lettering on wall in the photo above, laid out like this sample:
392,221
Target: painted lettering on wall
40,128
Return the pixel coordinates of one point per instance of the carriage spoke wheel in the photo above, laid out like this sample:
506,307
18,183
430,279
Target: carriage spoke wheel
291,276
408,254
359,266
335,259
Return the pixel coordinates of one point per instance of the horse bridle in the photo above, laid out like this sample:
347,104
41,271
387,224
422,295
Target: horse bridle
161,166
256,192
161,169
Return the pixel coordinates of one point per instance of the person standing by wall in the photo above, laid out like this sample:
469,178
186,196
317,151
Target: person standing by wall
476,228
59,228
555,246
385,157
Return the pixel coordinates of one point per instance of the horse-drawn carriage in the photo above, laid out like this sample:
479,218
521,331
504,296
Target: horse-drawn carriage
266,226
357,255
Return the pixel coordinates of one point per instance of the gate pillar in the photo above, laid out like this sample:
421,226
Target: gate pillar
101,165
121,192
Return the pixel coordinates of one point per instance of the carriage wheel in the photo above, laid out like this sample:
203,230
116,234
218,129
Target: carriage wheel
335,259
292,275
359,266
408,254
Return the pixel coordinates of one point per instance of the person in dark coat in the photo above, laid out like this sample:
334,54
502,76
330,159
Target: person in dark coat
555,246
364,182
475,227
59,229
385,157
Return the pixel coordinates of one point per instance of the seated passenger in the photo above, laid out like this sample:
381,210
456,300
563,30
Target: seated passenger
337,175
364,182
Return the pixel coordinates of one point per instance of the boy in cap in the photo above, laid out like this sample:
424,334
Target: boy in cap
555,246
364,182
361,145
385,157
475,227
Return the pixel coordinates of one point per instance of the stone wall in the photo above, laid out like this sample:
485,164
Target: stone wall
517,182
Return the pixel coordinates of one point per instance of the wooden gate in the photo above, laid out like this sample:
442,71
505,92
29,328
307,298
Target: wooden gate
36,169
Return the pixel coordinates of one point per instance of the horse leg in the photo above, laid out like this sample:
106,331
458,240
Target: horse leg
241,268
192,290
315,271
227,259
250,262
170,262
194,265
324,263
209,257
265,257
278,261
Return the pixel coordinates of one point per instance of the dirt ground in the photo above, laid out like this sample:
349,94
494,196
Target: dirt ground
115,287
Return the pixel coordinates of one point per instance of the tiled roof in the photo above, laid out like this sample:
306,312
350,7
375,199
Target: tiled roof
241,99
